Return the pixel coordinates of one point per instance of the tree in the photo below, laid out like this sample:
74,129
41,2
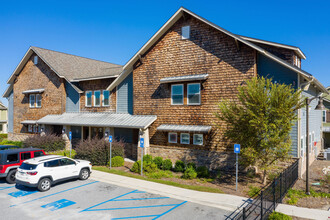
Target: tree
261,122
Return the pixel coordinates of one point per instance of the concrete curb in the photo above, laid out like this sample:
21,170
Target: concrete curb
301,212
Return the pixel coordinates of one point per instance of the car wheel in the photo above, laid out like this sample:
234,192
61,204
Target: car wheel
11,177
44,185
84,174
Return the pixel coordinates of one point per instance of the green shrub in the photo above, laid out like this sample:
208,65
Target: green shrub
3,136
136,168
167,164
203,172
191,164
14,143
65,153
292,201
97,150
253,190
160,174
279,216
158,161
149,168
189,173
179,166
273,176
147,159
117,161
48,142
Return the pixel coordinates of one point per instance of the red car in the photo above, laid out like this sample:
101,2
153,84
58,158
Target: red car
11,159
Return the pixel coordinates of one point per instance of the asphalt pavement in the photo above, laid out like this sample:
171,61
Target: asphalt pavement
92,199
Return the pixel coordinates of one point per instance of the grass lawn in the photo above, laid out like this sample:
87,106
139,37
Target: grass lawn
123,173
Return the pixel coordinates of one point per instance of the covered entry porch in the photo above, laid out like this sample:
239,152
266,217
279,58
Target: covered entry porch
125,127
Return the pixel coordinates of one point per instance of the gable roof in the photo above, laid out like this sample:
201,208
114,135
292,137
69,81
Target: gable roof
2,106
285,46
129,65
70,67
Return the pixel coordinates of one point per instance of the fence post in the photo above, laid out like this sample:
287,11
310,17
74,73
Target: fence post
281,179
274,193
261,204
244,213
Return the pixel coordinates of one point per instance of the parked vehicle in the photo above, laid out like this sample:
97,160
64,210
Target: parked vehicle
11,159
45,171
7,147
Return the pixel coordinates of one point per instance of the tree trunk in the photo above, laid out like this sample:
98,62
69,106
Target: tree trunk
264,178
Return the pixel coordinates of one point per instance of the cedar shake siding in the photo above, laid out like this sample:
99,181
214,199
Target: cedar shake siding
208,51
94,85
53,99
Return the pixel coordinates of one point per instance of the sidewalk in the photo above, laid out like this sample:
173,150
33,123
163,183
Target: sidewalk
218,200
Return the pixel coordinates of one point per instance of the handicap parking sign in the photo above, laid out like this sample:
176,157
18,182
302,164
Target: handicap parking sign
110,138
142,142
237,148
70,135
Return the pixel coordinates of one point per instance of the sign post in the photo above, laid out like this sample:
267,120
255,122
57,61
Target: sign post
237,149
142,146
110,140
70,137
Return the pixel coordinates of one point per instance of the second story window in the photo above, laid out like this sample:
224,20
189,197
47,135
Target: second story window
177,94
172,137
194,94
105,98
32,100
88,102
97,98
185,32
38,100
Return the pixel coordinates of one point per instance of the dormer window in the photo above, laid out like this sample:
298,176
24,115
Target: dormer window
185,32
35,60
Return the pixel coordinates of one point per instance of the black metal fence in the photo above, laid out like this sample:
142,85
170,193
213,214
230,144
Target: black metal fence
261,205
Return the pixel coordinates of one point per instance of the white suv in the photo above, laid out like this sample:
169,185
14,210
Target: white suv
42,172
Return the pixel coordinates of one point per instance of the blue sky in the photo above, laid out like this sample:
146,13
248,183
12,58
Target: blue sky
114,30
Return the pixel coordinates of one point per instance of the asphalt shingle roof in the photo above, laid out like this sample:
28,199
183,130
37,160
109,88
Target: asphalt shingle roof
74,67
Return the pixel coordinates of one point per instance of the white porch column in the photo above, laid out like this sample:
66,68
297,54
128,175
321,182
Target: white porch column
144,134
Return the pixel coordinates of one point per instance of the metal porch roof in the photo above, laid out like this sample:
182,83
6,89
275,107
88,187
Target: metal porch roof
100,120
184,78
29,122
33,91
184,128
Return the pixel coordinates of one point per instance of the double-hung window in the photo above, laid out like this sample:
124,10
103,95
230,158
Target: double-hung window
194,94
97,98
177,94
198,139
172,137
185,138
32,100
105,98
38,100
88,101
30,128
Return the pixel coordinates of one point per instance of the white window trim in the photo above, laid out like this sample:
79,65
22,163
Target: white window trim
181,138
35,60
182,94
185,32
199,101
325,116
310,144
36,101
95,98
169,134
302,148
103,98
34,104
86,97
202,139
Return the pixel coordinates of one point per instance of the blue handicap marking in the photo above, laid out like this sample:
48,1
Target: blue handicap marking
22,193
110,138
70,135
58,204
237,148
6,187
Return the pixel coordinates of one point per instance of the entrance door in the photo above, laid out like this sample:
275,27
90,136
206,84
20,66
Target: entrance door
86,133
57,129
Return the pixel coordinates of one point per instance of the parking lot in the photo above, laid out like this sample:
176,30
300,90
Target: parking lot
96,200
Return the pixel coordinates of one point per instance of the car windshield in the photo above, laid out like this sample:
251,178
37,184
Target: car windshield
26,166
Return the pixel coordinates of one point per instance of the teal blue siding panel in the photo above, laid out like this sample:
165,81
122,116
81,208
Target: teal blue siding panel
72,99
124,134
11,112
125,95
270,69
